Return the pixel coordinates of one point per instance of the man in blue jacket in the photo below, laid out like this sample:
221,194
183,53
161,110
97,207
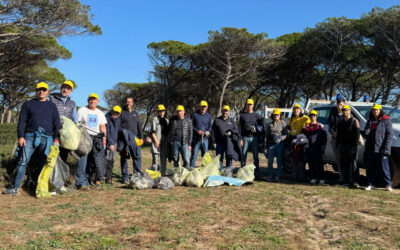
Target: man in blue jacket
113,127
38,125
201,121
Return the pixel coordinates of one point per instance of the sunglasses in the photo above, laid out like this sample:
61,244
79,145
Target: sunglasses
41,89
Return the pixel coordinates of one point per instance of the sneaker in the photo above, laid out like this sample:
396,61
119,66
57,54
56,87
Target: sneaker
11,191
389,189
313,181
125,182
356,185
277,179
84,188
270,178
98,183
369,188
62,190
322,182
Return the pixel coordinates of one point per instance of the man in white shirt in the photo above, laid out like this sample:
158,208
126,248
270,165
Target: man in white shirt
94,121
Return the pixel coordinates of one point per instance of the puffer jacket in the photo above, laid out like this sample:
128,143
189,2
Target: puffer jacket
187,132
379,135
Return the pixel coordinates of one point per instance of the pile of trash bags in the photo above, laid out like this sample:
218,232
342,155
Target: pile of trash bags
207,176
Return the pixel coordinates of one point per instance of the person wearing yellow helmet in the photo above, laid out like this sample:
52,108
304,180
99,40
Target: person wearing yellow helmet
201,121
276,133
379,138
130,120
38,128
65,105
159,134
113,126
347,140
94,121
180,137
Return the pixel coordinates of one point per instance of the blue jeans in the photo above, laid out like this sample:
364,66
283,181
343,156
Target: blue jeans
196,145
275,150
376,161
220,150
81,174
26,152
251,143
184,150
137,165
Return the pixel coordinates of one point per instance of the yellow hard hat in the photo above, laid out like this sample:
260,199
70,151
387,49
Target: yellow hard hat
226,107
179,108
276,112
138,141
250,101
346,107
117,109
94,96
160,107
313,112
41,85
69,83
203,103
297,106
377,106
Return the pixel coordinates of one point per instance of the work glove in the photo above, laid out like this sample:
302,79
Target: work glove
215,145
253,129
228,133
207,133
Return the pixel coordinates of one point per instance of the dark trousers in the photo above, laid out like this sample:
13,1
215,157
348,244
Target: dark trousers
297,162
109,164
348,163
315,162
137,164
376,162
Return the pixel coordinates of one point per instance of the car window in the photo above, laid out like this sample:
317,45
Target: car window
323,114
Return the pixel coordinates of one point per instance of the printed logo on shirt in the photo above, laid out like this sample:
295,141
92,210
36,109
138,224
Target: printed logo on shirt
93,120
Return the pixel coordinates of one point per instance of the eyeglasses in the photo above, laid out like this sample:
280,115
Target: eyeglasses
41,89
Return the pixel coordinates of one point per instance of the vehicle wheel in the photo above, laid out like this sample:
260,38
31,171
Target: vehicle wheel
394,163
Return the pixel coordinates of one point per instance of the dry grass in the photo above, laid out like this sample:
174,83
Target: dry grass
263,215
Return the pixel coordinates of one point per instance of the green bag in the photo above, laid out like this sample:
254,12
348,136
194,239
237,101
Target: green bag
206,159
195,179
246,173
70,134
212,168
180,175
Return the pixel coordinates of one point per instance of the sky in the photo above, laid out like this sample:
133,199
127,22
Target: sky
120,54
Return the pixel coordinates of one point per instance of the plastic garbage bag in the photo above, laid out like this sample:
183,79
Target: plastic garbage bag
227,171
214,181
42,188
85,143
206,159
153,174
212,168
141,181
60,173
195,179
164,183
180,175
246,173
70,134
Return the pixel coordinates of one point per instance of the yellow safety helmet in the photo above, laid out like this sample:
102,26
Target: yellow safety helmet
297,106
346,107
69,83
41,85
377,106
117,109
276,112
314,112
138,141
179,108
160,107
93,95
226,107
203,103
250,101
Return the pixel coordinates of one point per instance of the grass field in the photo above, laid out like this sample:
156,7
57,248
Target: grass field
261,216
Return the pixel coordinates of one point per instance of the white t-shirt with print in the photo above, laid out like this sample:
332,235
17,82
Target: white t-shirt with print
91,119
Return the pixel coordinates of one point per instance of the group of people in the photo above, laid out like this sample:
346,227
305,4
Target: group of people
303,140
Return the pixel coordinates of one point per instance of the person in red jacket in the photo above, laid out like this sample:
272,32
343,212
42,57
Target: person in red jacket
317,140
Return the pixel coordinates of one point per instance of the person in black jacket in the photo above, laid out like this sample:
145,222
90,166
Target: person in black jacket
347,138
379,134
316,135
113,127
180,137
130,120
222,128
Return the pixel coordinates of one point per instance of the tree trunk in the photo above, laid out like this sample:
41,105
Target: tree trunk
9,115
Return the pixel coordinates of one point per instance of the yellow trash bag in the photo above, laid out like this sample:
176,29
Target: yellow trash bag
180,175
70,134
212,168
246,173
194,179
206,159
154,174
42,188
